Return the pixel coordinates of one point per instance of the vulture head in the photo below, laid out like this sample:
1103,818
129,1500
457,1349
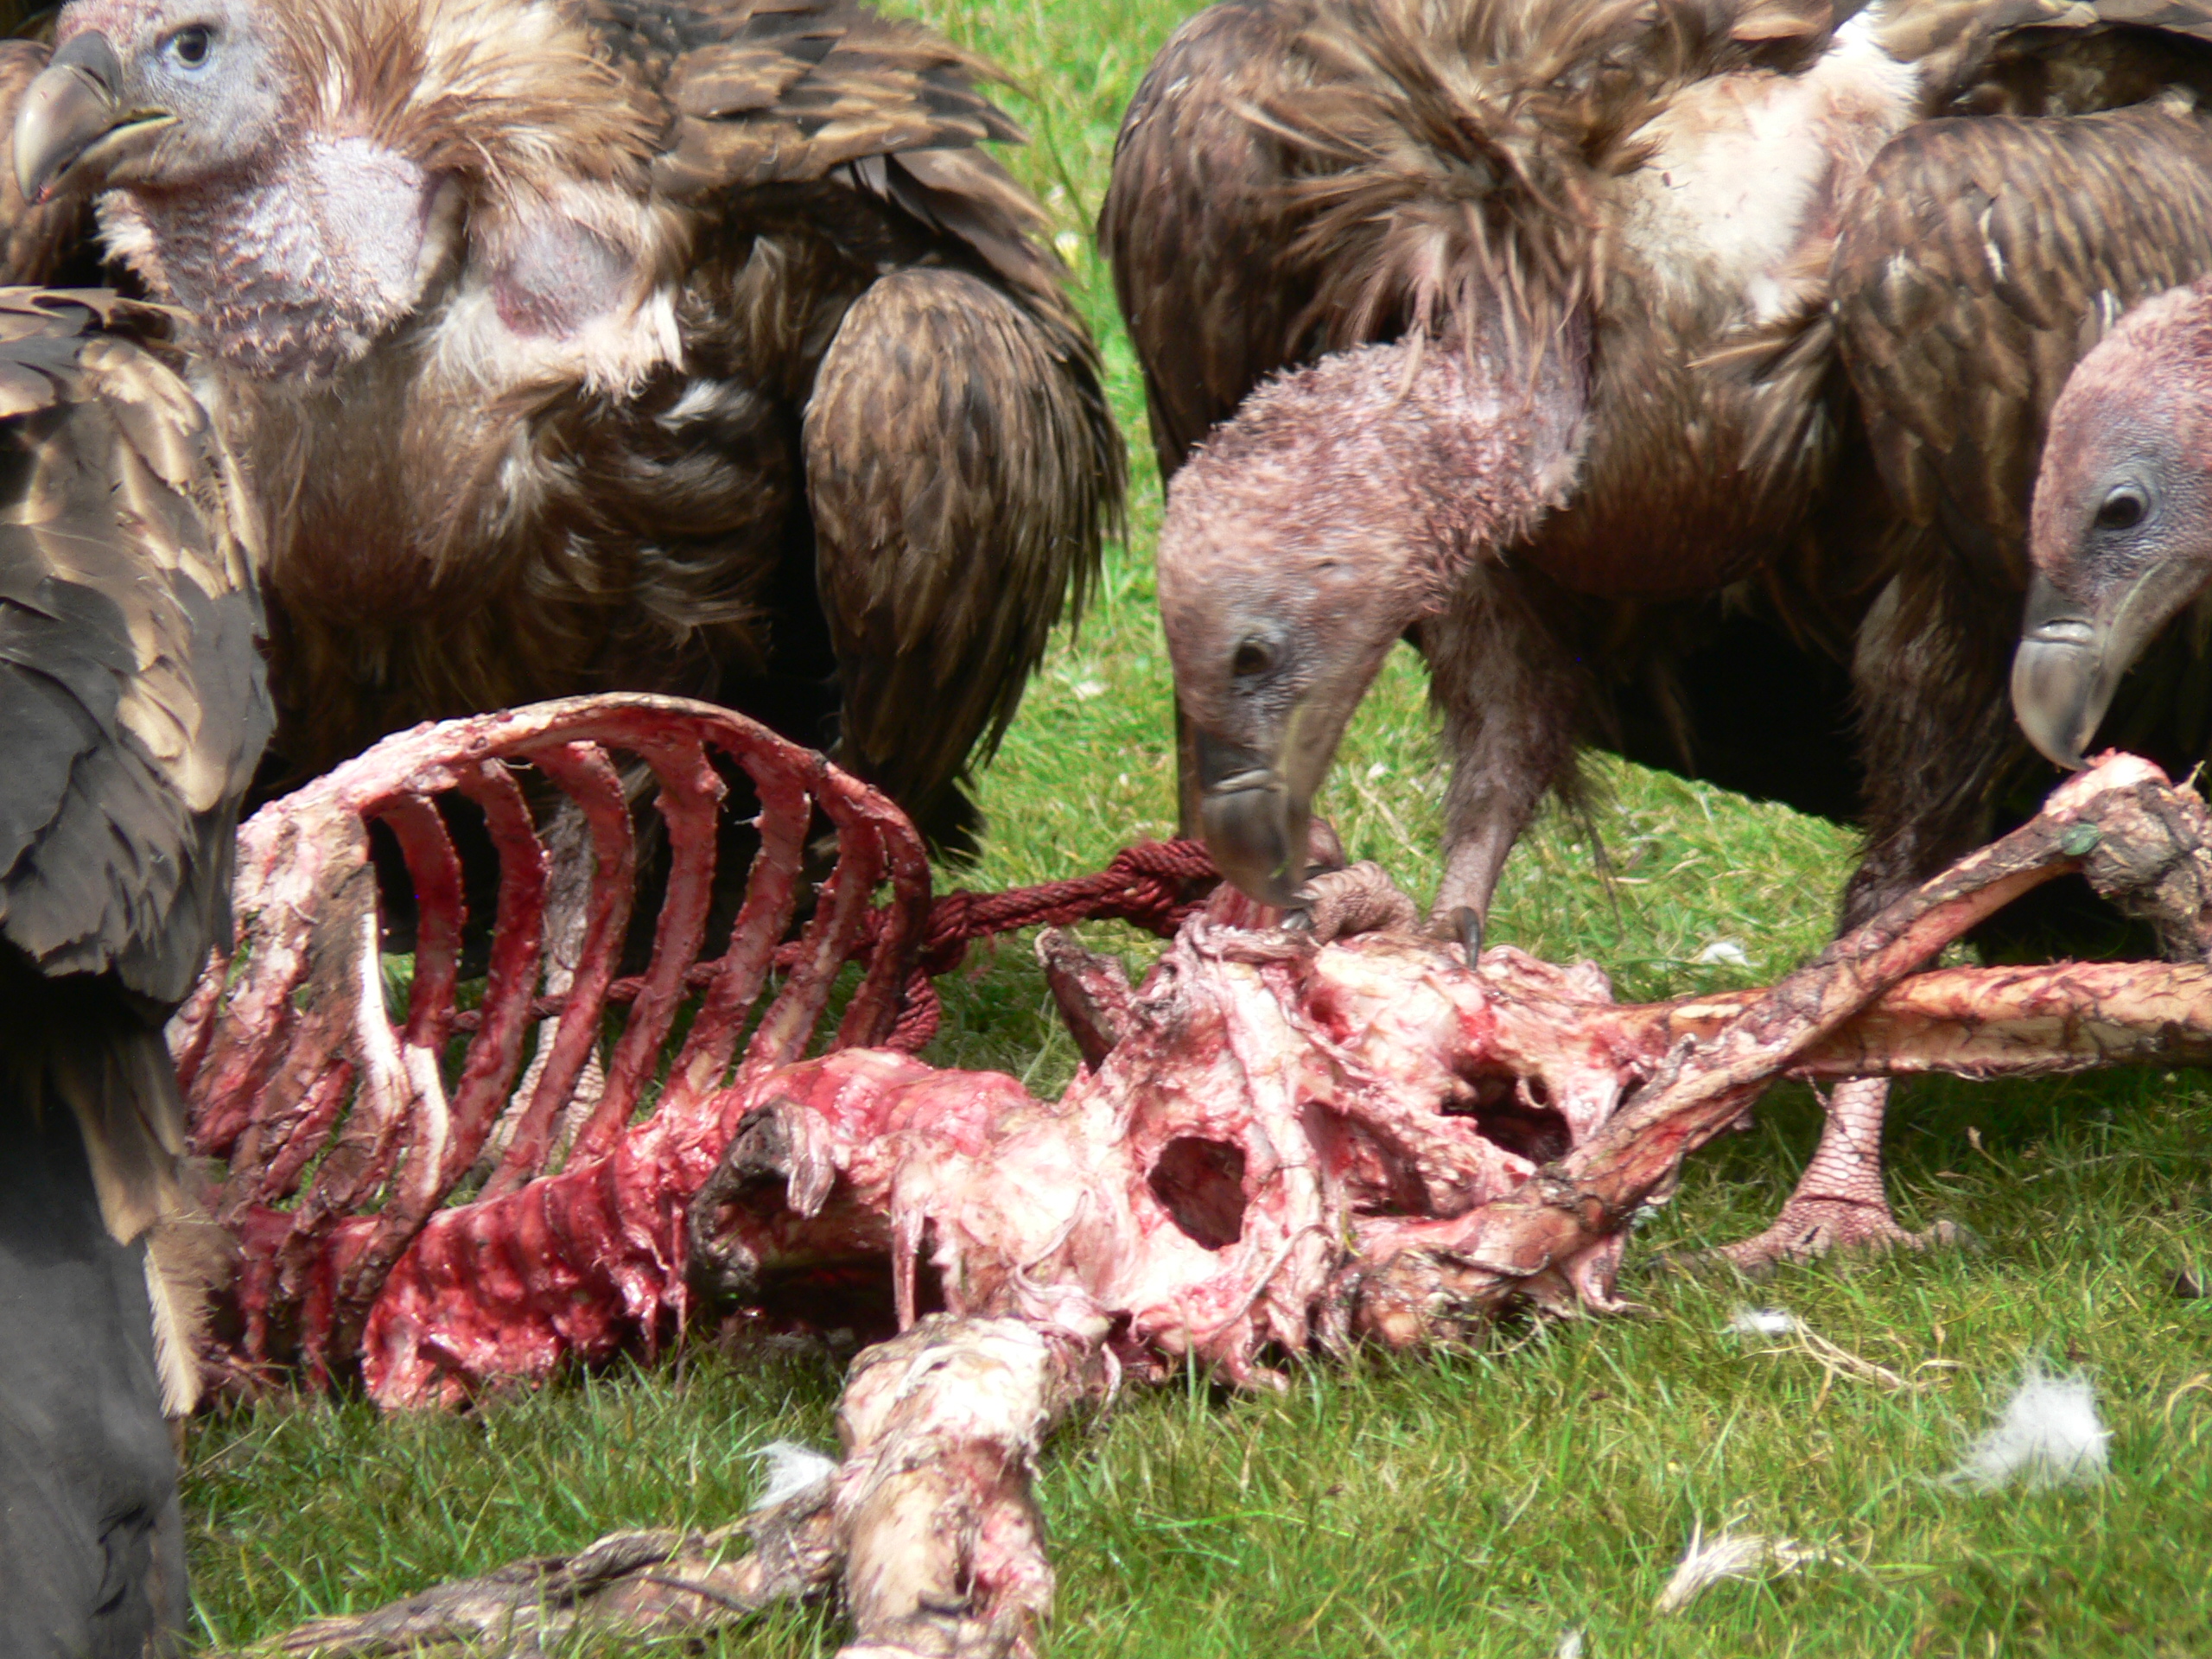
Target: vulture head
301,177
151,94
2120,537
1337,507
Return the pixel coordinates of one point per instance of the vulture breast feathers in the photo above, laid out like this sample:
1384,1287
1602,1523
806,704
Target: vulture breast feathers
579,344
136,708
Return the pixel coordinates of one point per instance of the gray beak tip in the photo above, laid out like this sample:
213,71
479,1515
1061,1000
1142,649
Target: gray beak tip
70,106
2062,682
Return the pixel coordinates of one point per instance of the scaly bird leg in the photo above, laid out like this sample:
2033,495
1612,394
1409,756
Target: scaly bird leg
1839,1202
1509,691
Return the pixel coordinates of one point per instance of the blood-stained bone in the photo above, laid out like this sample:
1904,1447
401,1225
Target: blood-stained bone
929,1524
341,1134
1282,1135
1283,1142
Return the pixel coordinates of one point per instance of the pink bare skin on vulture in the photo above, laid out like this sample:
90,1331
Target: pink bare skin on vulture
2122,531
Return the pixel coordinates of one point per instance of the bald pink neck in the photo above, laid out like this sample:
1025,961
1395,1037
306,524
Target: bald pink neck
1399,464
294,271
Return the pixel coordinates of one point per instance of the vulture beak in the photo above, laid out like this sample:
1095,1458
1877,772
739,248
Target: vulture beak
74,112
1254,809
2072,655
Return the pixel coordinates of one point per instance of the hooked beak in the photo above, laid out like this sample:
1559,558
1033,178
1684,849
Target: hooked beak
2072,656
1254,809
73,112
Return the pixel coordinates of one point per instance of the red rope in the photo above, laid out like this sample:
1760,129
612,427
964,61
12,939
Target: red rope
1153,884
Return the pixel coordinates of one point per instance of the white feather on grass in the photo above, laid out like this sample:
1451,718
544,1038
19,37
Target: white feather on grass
1763,1322
794,1470
1731,1555
1570,1644
2050,1435
1725,953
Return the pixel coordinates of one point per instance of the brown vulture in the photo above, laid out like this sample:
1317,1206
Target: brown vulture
684,346
136,705
1563,336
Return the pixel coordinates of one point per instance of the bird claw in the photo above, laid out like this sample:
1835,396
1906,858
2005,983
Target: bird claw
1810,1229
1360,899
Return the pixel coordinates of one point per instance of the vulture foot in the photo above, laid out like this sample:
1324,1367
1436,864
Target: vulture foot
1809,1228
1359,899
1840,1204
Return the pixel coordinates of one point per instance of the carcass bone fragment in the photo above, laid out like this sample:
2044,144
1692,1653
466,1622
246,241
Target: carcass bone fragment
640,1584
339,1130
929,1520
1290,1141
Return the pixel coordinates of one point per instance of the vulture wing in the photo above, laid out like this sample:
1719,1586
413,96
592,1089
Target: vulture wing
1199,217
761,94
131,682
1978,263
129,658
959,456
960,461
131,675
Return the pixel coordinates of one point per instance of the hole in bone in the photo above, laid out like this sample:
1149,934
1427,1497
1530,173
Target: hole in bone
1200,1184
1514,1113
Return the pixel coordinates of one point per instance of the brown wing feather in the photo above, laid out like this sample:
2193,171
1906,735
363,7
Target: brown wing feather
1198,224
766,93
961,462
136,706
1979,261
129,662
763,91
2045,57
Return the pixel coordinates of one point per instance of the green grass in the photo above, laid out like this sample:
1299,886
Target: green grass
1462,1505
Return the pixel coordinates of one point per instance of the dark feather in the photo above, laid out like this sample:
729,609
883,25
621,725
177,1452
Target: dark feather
1981,259
128,644
940,582
441,548
1200,226
136,707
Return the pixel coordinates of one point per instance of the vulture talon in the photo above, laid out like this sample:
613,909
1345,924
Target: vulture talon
1445,481
1813,1230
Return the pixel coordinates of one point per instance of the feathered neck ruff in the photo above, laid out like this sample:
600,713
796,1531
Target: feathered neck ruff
1450,150
510,95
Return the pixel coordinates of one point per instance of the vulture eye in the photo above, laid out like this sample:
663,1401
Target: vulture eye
190,45
1252,657
2122,510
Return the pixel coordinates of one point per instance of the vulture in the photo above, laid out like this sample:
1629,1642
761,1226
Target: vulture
1638,360
680,346
136,702
2121,537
